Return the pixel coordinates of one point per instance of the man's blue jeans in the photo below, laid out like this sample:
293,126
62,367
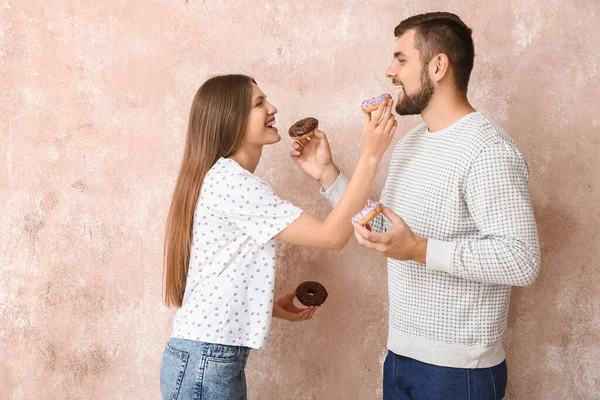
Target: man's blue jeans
408,379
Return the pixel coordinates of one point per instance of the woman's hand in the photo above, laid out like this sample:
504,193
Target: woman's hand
379,129
313,156
284,308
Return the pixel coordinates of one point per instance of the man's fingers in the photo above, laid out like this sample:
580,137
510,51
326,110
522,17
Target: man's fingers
358,237
394,219
370,236
378,247
373,237
361,230
361,240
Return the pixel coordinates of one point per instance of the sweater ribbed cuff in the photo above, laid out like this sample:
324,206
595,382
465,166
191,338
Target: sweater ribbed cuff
439,255
335,192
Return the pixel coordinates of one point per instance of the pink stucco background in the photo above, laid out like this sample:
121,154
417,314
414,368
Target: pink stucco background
94,97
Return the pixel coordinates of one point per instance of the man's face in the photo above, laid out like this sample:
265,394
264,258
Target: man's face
407,72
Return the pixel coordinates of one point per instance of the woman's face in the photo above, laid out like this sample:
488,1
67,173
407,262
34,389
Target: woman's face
260,129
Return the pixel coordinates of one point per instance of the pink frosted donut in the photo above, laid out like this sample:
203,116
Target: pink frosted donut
373,104
365,215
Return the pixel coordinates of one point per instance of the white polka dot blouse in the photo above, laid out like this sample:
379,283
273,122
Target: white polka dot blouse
231,277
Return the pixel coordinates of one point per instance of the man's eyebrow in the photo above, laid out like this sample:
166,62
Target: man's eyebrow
399,54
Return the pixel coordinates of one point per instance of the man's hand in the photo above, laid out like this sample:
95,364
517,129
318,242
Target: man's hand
398,242
284,308
313,156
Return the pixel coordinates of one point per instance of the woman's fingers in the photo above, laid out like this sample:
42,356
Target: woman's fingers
303,141
387,113
297,146
393,128
389,125
388,110
375,119
305,314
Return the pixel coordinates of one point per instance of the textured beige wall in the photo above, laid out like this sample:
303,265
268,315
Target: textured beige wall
94,102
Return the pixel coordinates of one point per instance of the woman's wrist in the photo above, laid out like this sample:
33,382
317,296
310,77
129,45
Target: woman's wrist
369,158
329,177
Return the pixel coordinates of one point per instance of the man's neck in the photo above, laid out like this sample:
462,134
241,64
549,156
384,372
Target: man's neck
441,112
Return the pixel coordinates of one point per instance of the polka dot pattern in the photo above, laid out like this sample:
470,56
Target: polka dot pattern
229,291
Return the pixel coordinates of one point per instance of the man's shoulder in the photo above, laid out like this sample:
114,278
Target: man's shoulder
492,142
484,131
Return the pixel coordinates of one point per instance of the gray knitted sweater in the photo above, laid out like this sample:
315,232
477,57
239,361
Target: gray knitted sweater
465,188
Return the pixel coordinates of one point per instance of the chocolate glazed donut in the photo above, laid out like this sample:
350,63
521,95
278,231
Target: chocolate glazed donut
303,128
311,293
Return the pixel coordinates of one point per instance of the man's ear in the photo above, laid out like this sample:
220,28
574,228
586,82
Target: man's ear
439,67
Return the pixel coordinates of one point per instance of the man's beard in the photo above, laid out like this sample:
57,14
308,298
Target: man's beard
413,104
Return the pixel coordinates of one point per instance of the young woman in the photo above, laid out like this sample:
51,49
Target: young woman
222,231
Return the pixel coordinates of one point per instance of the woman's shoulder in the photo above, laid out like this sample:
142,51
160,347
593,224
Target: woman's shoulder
233,177
225,170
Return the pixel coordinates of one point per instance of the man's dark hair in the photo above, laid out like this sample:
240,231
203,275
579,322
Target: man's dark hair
443,32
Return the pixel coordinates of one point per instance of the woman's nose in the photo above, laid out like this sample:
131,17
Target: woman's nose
273,109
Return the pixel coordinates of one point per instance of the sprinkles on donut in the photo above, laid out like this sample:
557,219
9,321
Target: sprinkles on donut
364,216
373,103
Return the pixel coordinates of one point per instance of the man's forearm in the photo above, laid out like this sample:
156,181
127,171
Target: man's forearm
497,260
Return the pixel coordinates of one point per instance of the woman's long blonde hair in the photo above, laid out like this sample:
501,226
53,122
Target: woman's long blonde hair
216,128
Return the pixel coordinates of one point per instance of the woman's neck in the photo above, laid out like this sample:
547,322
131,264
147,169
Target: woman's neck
248,158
